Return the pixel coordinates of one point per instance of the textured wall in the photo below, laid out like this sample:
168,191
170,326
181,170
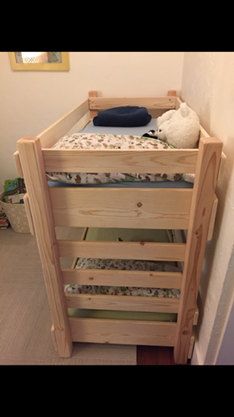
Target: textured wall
208,86
30,101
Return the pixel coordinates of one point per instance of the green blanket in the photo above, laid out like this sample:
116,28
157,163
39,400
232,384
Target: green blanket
130,235
121,315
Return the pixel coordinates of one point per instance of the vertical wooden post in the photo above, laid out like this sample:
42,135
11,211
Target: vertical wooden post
209,155
172,93
34,175
94,93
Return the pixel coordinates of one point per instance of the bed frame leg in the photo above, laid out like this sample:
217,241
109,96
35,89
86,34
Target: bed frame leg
93,94
209,157
172,93
37,189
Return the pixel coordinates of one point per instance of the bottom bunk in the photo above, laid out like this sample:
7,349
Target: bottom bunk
127,332
124,301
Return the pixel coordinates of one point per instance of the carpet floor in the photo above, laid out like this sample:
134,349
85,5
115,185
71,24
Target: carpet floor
24,314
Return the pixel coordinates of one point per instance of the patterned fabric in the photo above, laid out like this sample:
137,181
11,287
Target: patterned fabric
110,141
125,264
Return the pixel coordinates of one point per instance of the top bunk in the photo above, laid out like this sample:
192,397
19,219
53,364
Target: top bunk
176,204
116,160
77,119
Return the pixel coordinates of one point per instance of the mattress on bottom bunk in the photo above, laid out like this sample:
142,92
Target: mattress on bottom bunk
126,265
130,235
138,131
103,141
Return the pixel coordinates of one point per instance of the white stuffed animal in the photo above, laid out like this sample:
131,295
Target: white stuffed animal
179,128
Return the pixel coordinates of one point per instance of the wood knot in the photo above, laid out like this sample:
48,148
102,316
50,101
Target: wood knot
91,278
139,204
185,332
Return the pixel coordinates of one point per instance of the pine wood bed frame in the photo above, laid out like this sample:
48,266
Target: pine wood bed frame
188,209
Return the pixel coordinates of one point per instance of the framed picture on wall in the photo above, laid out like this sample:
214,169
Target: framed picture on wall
39,61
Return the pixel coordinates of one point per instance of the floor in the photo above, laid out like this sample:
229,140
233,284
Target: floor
151,355
25,320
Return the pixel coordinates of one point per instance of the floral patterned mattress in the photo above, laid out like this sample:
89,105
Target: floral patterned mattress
130,265
111,141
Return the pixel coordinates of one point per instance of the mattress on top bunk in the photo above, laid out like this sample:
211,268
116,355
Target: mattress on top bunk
138,131
129,235
101,138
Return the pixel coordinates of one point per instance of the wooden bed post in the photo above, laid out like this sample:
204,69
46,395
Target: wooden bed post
37,189
208,162
93,93
172,93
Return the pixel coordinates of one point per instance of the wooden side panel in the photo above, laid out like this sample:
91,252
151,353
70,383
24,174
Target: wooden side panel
50,135
33,169
28,214
121,278
18,164
204,193
131,161
121,207
81,124
191,346
178,102
122,250
128,332
102,103
212,218
123,303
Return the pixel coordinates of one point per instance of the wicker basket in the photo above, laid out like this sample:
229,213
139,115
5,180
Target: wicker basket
16,215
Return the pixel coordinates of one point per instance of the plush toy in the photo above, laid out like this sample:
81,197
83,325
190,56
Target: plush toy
179,128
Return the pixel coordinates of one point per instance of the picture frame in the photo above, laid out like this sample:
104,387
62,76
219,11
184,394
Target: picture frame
39,61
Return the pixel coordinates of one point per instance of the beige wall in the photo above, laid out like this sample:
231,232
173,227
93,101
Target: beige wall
208,86
30,101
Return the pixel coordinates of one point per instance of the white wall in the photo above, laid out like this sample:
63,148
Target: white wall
30,101
226,351
208,86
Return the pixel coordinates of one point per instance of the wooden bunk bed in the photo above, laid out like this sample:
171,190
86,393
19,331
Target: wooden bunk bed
192,210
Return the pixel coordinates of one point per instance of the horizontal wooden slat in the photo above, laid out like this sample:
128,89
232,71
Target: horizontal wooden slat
121,278
101,103
121,207
122,250
131,161
50,135
123,303
128,332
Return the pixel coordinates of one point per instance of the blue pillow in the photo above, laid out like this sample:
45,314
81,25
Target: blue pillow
125,116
